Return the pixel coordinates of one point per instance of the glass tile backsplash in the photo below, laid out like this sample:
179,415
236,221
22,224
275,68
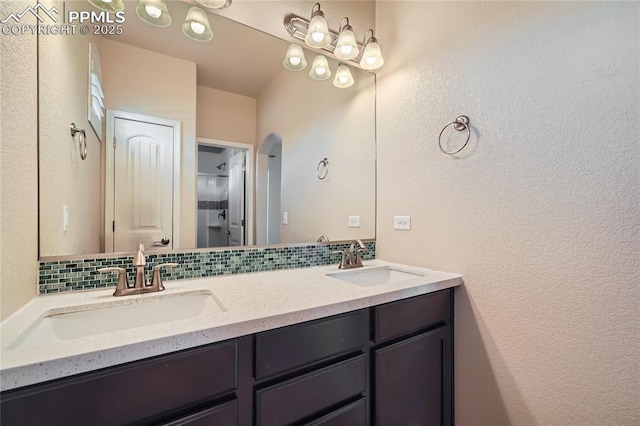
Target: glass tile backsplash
81,274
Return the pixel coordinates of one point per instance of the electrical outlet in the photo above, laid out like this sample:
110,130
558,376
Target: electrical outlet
65,218
402,222
354,221
285,218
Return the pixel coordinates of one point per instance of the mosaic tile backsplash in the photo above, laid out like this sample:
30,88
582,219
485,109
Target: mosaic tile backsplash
81,274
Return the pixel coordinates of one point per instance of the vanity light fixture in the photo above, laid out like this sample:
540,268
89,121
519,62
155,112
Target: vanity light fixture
108,5
196,25
154,12
346,45
215,4
343,77
341,45
318,32
371,54
320,68
295,59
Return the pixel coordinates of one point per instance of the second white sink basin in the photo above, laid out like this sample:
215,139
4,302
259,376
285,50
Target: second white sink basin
116,315
374,276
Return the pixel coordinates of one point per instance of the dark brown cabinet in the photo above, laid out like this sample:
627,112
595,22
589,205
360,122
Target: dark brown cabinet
413,380
387,365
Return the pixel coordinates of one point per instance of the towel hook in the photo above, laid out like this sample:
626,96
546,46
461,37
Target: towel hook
320,171
461,123
82,140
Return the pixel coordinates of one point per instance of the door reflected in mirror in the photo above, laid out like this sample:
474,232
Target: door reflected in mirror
204,144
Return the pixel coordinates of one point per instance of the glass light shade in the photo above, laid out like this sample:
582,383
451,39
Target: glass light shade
294,59
108,5
154,12
343,77
320,68
346,46
318,33
213,4
196,25
371,56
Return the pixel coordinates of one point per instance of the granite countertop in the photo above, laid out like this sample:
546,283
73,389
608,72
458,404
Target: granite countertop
255,302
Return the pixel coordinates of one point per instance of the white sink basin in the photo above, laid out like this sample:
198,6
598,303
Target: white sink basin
375,276
116,315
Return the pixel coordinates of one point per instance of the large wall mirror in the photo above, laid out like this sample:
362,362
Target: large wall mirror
200,144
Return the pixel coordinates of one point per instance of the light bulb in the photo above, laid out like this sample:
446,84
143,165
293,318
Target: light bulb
317,36
320,68
346,49
294,59
197,27
153,11
371,56
343,78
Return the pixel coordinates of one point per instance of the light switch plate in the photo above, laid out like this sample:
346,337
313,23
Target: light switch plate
285,218
354,221
402,222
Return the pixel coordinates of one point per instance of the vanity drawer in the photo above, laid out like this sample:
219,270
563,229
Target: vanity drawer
404,316
352,415
306,395
127,393
221,415
287,348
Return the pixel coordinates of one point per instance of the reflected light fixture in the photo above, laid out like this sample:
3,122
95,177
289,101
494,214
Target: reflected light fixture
196,25
295,59
346,46
343,77
108,5
320,68
371,54
154,12
318,33
215,4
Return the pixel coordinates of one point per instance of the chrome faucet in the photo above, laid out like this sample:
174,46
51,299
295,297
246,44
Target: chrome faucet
351,257
140,284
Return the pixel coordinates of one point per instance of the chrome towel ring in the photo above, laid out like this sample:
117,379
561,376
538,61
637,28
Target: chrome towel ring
323,169
461,123
82,140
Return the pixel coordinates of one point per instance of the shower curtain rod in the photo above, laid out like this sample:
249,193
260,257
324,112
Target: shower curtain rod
212,175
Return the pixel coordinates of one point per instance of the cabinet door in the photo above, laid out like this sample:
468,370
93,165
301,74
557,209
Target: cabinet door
413,381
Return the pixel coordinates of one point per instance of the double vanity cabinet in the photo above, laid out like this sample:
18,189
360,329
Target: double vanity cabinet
390,364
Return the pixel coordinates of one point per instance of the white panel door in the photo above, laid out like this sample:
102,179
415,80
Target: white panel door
143,194
236,200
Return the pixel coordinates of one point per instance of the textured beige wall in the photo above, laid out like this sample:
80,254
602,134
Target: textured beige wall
540,213
18,166
65,179
316,120
225,116
145,82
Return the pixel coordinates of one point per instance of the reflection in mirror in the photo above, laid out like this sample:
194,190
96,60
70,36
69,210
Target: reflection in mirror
203,144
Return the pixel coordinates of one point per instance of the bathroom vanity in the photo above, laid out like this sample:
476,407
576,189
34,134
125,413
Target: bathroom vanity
386,363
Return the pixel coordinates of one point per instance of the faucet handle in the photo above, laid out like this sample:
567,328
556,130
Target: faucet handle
156,280
123,282
343,261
